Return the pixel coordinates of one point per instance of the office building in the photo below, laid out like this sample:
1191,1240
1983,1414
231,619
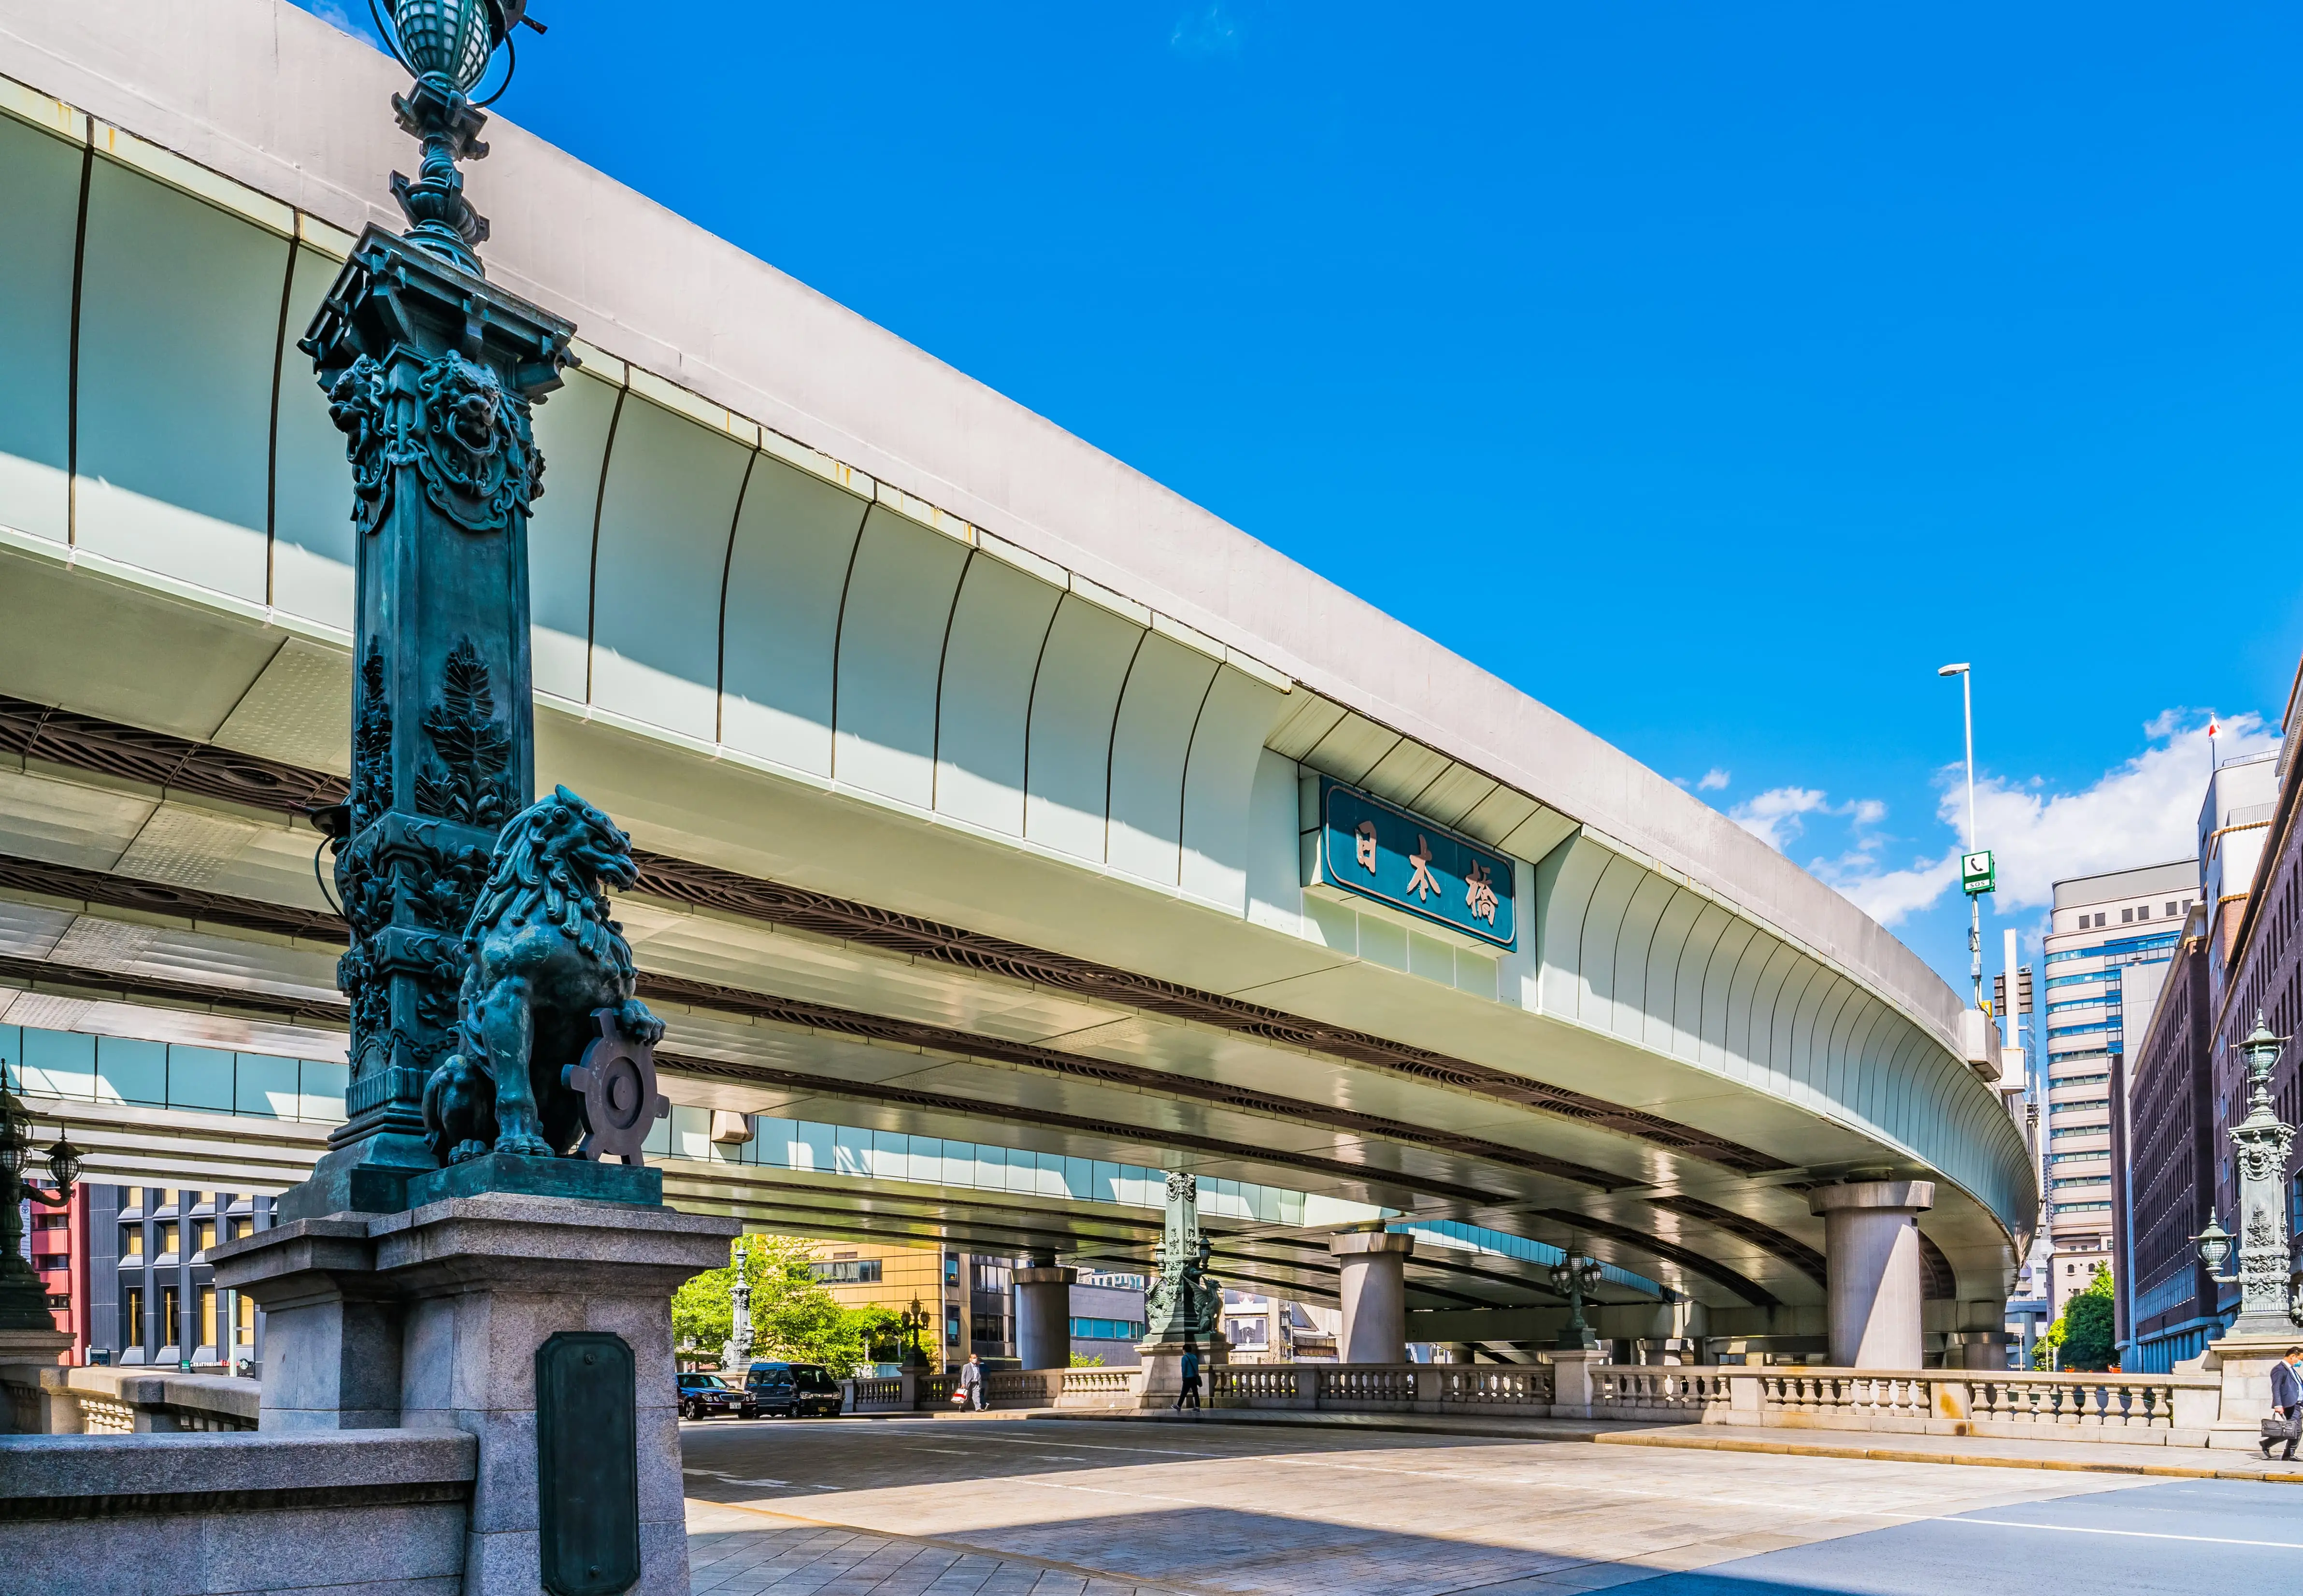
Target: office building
2166,1309
2111,938
153,1299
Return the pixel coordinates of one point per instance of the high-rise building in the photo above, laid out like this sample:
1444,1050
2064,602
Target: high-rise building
2109,933
2176,1087
2166,1309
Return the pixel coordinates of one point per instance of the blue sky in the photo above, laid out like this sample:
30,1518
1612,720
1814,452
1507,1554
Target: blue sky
1765,357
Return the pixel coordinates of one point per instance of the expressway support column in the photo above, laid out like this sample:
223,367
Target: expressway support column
1043,1316
1872,1255
1374,1293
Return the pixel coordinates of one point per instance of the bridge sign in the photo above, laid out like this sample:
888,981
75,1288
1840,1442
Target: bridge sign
1375,849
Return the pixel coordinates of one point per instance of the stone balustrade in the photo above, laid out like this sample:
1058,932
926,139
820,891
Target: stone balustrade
52,1399
2167,1409
2161,1409
2120,1402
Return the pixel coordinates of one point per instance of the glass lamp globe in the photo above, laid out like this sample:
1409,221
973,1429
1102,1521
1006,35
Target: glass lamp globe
451,39
2215,1244
63,1163
15,1134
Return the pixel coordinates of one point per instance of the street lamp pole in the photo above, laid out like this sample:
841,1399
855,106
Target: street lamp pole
24,1299
1966,674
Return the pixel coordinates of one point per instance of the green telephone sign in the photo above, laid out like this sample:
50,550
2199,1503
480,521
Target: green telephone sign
1977,873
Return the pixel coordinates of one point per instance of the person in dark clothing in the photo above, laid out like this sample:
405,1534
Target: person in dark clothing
2287,1399
1191,1391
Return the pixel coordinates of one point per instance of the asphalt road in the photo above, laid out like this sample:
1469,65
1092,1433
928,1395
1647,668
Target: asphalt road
2202,1536
1243,1510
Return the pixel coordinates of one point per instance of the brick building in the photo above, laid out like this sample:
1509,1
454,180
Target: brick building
2264,960
2166,1303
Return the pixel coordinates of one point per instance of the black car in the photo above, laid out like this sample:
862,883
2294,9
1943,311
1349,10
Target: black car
793,1391
703,1394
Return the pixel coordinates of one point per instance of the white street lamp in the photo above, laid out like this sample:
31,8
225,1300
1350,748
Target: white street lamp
1975,868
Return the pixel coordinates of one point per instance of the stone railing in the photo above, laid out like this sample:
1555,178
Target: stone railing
1383,1388
49,1400
1863,1397
1657,1392
879,1393
2164,1409
1026,1388
2113,1402
1093,1388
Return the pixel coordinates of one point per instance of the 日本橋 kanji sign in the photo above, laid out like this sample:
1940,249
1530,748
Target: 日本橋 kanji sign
1375,849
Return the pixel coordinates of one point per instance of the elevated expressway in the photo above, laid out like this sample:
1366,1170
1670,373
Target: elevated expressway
967,763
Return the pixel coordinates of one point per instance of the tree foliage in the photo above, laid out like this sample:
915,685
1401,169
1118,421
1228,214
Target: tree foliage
2083,1337
793,1315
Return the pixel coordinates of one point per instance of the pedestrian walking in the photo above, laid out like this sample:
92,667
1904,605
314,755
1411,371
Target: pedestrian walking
971,1382
2286,1404
1191,1391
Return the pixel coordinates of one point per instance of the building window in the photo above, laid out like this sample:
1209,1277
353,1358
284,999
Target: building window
244,1312
131,1241
172,1323
168,1240
951,1268
1130,1329
242,1227
135,1333
2126,915
951,1326
208,1234
208,1317
848,1272
2172,911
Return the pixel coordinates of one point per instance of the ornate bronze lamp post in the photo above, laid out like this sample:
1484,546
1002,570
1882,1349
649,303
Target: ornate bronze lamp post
24,1299
430,372
2267,1305
1577,1276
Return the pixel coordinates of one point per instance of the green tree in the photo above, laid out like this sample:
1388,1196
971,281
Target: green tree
2087,1340
793,1314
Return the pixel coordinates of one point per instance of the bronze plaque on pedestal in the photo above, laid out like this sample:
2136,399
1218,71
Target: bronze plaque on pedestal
587,1463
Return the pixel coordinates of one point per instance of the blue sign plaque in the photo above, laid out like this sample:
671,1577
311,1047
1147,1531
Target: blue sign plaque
1374,850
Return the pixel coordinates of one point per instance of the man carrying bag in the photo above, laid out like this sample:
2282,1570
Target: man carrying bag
2287,1405
970,1394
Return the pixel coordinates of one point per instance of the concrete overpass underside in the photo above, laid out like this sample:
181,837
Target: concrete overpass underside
968,767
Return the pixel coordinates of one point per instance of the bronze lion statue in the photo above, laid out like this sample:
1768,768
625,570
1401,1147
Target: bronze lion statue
542,958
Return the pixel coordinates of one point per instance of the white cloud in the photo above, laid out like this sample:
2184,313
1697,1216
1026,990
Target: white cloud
1208,31
2143,812
1774,817
1714,780
1887,895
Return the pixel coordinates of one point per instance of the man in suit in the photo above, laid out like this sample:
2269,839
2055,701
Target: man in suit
2287,1397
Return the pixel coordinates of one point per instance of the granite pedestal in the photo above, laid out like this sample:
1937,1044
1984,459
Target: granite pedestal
1163,1369
430,1320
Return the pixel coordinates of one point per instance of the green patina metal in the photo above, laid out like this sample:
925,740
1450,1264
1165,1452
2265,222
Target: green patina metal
587,1465
1183,1304
431,373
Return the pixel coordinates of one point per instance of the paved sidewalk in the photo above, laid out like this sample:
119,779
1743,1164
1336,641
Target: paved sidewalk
1009,1506
737,1551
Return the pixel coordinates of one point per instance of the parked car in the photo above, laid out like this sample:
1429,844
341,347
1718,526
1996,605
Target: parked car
702,1395
793,1391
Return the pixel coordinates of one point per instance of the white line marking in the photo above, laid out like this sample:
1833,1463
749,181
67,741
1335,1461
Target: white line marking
2074,1529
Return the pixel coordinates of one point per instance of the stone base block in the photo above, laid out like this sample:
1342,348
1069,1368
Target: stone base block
454,1299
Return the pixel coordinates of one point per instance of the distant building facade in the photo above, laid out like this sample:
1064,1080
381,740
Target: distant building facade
152,1298
2181,1088
2108,931
2166,1304
2261,961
